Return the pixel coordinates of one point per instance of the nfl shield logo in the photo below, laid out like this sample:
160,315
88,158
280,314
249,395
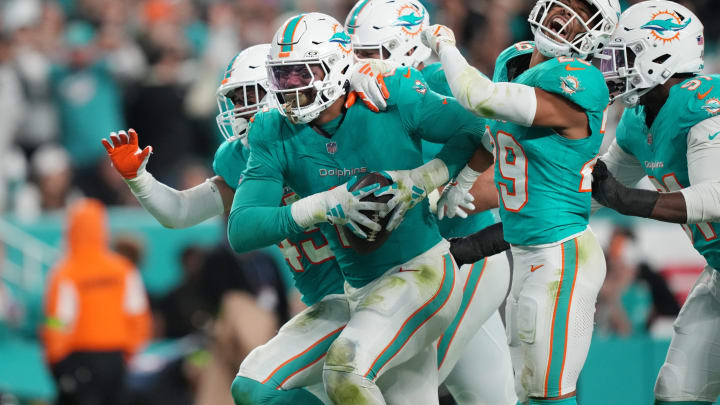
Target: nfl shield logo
331,147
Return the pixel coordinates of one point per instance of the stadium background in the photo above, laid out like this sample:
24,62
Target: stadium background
71,71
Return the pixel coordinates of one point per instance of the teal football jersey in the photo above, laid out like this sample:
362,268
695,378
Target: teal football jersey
450,227
544,179
662,149
312,263
363,142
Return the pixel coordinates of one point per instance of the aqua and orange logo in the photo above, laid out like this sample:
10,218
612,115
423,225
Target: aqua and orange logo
410,19
570,84
712,106
666,25
341,38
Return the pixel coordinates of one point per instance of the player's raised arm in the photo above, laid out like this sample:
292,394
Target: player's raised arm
517,103
172,208
696,204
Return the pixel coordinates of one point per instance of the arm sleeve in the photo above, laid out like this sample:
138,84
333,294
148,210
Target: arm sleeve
702,198
256,219
177,209
623,166
504,101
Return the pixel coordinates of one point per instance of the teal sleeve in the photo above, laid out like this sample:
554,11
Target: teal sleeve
230,161
256,219
438,119
577,81
621,132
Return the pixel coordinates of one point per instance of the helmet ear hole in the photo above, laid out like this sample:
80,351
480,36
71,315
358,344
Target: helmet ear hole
661,59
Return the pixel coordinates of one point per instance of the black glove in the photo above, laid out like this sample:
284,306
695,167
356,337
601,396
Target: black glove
487,242
628,201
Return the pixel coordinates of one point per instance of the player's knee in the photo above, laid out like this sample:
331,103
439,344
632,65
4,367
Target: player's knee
246,391
350,388
341,355
668,383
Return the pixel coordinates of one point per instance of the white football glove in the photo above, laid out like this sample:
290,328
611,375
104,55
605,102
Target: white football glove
452,201
436,35
456,195
367,83
339,206
409,188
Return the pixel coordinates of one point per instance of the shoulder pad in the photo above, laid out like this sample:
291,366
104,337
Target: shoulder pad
513,51
575,79
405,83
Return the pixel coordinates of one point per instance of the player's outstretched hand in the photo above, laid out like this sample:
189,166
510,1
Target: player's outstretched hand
368,84
454,201
126,156
343,207
406,191
436,35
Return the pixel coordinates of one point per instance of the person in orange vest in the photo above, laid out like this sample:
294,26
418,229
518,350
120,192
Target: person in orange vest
97,313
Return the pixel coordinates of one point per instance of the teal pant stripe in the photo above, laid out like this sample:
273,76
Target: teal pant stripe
417,319
563,302
250,392
471,284
565,401
303,360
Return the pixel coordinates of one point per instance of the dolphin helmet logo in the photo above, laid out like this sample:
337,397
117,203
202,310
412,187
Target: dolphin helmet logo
342,39
666,25
410,19
712,106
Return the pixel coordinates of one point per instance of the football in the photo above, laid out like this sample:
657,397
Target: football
375,239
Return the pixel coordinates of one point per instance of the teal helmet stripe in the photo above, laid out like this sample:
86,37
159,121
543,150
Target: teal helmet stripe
229,67
289,33
353,20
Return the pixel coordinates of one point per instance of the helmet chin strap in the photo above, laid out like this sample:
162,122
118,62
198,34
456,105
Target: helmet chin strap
548,47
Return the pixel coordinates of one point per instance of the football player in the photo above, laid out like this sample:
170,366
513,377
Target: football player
389,31
406,292
263,375
669,132
548,103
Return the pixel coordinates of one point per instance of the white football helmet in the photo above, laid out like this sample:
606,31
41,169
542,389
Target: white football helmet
654,41
390,27
550,40
243,91
309,65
